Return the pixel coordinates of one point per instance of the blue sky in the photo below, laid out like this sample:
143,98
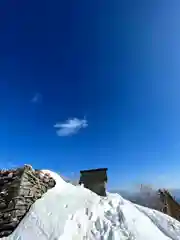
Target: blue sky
87,84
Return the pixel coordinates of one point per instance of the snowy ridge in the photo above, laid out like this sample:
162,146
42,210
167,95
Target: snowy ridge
69,212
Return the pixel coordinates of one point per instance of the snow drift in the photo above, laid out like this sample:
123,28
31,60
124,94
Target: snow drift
69,212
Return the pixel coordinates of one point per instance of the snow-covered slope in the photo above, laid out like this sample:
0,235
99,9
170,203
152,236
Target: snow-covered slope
69,212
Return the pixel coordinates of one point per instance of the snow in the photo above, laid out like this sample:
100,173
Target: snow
69,212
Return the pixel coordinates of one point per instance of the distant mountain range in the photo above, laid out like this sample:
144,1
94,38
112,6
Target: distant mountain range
176,193
147,199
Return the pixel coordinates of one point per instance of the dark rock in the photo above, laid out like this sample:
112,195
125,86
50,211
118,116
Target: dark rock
2,205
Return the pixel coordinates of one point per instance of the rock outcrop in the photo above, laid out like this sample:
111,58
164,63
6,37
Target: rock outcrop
19,189
170,206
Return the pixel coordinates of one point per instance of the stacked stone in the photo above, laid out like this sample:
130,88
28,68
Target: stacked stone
19,189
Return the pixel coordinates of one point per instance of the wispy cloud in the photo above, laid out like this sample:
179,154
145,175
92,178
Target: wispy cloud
70,127
37,98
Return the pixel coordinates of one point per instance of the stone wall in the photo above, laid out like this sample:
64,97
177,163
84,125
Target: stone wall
19,189
171,207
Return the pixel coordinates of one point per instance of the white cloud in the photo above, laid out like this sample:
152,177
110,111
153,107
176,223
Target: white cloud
70,127
37,98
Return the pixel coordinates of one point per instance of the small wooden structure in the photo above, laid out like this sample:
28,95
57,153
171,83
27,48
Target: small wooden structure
95,180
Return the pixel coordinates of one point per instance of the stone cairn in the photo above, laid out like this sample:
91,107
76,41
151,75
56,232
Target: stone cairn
19,189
